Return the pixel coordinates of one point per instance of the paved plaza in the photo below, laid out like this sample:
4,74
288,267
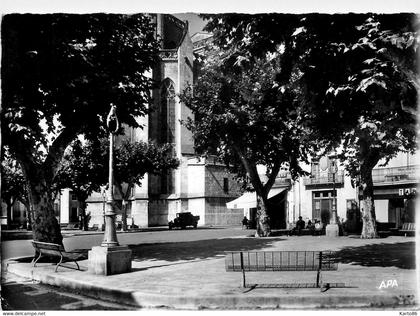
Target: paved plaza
379,273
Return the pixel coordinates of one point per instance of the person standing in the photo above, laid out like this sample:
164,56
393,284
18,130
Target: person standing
300,224
245,222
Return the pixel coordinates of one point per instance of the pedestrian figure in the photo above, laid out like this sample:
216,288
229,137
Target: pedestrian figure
244,222
310,226
300,224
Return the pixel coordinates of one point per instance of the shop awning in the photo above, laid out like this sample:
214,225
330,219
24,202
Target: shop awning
249,199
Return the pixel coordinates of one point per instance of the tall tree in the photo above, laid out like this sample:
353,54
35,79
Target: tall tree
133,160
85,165
60,74
83,170
12,185
358,75
244,118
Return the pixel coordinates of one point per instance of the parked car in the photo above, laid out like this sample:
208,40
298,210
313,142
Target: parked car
183,220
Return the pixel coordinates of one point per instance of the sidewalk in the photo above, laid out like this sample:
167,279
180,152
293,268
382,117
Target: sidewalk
164,276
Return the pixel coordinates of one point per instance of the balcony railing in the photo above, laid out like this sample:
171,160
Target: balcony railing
396,174
318,180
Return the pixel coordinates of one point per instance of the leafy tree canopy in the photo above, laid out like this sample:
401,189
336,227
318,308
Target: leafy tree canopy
83,168
242,115
357,72
134,159
61,72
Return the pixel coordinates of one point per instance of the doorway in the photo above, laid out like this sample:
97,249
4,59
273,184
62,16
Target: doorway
322,205
396,212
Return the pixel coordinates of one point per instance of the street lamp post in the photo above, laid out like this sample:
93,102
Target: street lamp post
110,235
110,258
334,202
332,229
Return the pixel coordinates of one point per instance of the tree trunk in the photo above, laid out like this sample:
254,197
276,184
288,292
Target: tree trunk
368,204
45,226
9,209
28,215
84,225
24,199
263,220
124,215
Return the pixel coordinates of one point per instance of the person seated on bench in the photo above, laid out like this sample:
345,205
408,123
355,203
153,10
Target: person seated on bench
311,227
317,227
300,224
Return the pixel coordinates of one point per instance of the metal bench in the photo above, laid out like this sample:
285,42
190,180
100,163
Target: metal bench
55,250
272,261
408,228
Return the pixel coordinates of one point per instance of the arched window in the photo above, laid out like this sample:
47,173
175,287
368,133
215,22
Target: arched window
167,111
167,130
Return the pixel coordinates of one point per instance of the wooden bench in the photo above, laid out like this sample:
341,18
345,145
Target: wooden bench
55,250
272,261
408,228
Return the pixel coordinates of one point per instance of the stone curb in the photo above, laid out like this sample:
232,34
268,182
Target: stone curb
141,299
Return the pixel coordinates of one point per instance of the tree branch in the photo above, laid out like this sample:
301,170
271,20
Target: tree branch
273,176
57,148
251,169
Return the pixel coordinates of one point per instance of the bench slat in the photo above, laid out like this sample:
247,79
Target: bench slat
270,261
46,245
281,261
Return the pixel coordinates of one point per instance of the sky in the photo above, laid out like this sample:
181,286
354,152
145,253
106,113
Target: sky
212,6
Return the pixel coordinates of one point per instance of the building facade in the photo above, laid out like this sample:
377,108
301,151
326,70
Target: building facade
200,186
395,189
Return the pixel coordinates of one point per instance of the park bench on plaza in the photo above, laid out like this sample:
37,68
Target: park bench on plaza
408,229
55,250
273,261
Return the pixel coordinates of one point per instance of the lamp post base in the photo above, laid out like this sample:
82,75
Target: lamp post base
331,230
109,260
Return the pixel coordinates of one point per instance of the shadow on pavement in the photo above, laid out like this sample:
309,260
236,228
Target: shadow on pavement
192,250
400,255
188,250
17,296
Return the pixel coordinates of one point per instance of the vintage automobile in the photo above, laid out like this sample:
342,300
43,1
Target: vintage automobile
183,220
